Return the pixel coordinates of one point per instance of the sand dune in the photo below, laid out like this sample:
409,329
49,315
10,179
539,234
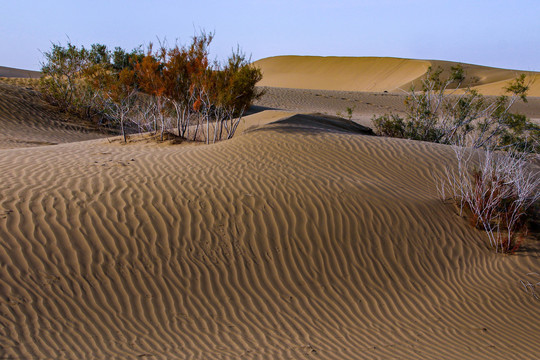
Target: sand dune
302,237
374,74
340,73
26,120
497,87
18,73
364,104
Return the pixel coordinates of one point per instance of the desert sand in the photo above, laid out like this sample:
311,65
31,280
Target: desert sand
364,105
376,74
301,237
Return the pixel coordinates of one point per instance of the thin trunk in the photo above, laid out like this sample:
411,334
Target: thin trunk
186,124
196,128
233,130
177,118
207,129
123,128
217,121
162,125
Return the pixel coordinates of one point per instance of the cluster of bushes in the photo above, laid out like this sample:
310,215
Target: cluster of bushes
443,112
494,182
168,89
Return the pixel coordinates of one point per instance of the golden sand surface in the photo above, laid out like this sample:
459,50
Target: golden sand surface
378,74
301,237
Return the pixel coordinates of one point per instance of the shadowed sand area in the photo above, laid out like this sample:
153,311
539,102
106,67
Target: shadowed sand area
302,237
26,120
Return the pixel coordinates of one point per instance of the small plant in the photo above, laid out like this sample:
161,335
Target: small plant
531,287
350,112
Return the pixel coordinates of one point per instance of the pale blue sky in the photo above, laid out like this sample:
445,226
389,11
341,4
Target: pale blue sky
495,33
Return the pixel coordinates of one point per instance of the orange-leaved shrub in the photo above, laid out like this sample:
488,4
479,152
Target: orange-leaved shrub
174,89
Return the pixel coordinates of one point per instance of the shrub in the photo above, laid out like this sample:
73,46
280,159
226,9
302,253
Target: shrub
437,113
497,190
168,84
67,76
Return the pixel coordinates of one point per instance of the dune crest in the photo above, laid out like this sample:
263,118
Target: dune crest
339,73
376,74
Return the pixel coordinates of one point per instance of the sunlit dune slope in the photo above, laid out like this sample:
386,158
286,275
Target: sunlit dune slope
299,238
374,74
339,73
497,87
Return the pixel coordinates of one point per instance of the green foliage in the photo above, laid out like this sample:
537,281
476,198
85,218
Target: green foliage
438,113
121,59
391,125
235,83
70,76
180,82
497,187
518,87
61,71
350,112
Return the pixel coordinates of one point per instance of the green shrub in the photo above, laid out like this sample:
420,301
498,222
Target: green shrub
177,84
438,113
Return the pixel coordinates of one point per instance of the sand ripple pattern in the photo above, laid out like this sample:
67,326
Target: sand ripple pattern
27,121
288,242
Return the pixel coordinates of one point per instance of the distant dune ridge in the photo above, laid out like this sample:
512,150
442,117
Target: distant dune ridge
375,74
27,120
301,237
18,73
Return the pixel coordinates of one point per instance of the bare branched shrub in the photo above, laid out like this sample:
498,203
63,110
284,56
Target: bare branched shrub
493,182
497,189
